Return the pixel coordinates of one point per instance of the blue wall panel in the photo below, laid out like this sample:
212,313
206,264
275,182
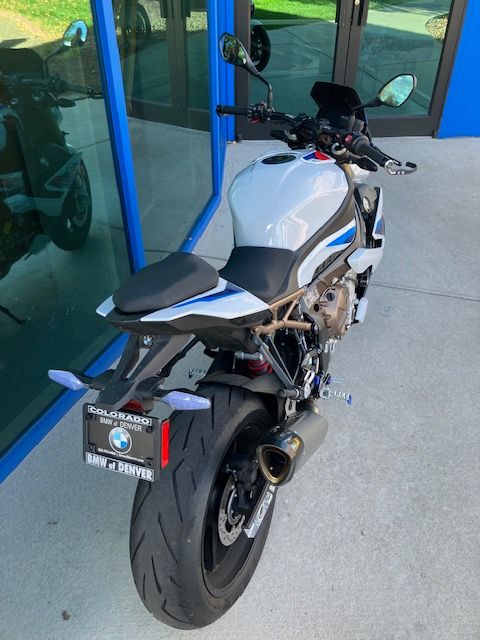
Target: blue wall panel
460,115
220,19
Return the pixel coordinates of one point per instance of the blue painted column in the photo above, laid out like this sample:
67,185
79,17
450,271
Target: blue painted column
460,115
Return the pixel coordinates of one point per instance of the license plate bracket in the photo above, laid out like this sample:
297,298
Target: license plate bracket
122,441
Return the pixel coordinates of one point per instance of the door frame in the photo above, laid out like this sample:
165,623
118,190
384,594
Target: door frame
347,50
179,112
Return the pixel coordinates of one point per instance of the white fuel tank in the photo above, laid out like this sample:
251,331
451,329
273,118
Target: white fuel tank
282,199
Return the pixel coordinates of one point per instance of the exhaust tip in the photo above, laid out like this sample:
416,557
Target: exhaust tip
274,464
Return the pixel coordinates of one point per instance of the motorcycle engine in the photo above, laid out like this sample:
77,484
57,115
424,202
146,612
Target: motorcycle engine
332,308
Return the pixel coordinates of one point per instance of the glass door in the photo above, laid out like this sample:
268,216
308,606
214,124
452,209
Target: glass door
164,51
388,37
293,44
361,43
300,40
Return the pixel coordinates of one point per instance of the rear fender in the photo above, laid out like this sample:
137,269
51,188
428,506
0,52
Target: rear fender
130,372
266,385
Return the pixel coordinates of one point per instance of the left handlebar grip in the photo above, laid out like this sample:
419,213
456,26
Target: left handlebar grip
224,110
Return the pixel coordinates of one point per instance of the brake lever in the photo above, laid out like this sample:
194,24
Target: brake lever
390,165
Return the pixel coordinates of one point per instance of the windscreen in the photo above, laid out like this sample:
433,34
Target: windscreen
335,102
24,62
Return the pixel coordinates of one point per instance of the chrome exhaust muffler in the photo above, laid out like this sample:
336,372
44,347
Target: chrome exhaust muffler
286,448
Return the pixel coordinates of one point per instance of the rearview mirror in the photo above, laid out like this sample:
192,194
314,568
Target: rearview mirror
233,51
75,34
397,90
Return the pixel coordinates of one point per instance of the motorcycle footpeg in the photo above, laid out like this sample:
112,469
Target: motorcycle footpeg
291,394
328,394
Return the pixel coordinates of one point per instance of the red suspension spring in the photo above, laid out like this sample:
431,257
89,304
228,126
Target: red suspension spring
258,368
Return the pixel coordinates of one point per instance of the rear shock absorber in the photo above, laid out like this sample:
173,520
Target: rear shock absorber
256,363
258,368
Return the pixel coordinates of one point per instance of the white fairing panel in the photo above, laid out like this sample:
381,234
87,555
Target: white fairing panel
226,301
361,259
283,205
358,174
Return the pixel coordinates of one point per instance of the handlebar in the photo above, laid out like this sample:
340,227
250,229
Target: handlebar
361,146
256,113
307,130
57,85
224,110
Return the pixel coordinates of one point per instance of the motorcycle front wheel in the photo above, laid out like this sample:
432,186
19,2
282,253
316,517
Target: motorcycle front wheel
191,559
71,229
260,47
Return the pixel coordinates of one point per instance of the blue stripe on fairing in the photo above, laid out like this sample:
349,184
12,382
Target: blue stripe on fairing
214,296
345,238
380,226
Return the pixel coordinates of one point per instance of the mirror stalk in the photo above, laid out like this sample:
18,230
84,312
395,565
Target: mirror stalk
270,91
60,49
371,103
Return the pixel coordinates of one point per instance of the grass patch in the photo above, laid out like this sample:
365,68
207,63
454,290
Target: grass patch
295,9
304,9
53,16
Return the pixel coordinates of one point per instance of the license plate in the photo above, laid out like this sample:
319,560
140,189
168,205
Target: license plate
124,442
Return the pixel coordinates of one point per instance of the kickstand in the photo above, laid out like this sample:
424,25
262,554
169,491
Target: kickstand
8,313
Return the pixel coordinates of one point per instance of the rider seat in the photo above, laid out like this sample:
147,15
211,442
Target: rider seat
163,284
266,272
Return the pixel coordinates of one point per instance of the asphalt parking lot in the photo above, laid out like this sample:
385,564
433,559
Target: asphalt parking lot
378,538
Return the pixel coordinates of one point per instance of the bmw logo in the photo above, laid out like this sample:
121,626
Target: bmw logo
120,440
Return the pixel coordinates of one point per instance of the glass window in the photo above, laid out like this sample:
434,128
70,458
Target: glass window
163,47
403,37
62,241
294,42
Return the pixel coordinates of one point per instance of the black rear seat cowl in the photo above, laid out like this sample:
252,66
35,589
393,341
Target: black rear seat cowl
165,283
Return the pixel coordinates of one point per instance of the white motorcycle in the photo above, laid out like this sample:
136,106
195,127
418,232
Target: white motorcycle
308,235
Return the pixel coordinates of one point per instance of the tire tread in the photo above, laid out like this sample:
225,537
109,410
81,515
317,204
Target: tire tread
163,511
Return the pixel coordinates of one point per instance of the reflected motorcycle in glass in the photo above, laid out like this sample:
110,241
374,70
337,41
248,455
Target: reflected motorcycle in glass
44,185
260,45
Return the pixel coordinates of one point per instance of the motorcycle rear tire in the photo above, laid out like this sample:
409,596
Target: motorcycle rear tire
71,230
172,538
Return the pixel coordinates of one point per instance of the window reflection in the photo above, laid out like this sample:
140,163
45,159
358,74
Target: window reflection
403,37
164,51
293,43
62,243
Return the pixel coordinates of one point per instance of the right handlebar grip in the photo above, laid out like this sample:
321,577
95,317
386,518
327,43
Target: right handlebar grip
363,147
224,110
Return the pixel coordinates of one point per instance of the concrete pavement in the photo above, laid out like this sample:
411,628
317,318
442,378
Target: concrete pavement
378,538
